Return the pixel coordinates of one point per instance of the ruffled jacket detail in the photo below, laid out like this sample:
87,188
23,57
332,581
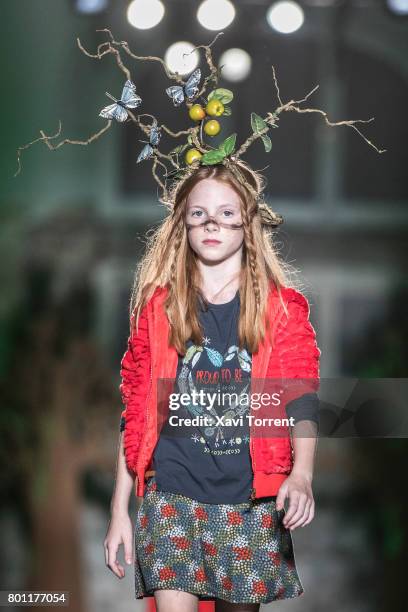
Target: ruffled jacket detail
135,370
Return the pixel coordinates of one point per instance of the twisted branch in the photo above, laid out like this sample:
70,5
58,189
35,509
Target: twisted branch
272,118
194,134
46,139
109,47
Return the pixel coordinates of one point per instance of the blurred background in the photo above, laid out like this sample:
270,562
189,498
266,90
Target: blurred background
73,225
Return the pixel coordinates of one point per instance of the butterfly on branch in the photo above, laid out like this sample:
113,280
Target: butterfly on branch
128,99
154,140
178,93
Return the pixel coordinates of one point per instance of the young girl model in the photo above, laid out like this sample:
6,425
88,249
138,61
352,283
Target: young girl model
212,310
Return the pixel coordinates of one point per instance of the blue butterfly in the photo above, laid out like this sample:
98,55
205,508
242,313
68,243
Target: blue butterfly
129,99
154,140
177,92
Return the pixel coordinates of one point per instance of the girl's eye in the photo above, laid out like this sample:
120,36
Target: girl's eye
199,213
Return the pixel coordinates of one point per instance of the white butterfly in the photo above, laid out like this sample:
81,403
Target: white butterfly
128,99
188,90
154,140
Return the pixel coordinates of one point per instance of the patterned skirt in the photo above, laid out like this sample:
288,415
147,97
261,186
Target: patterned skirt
241,553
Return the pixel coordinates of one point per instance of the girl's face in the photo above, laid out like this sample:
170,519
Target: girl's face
208,200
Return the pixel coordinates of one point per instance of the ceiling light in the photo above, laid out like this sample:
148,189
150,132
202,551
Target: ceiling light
216,14
145,14
176,61
90,7
236,64
285,17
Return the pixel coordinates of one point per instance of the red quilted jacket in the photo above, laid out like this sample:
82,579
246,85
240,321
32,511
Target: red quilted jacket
293,355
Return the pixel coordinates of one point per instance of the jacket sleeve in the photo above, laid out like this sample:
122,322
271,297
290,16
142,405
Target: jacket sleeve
304,408
134,387
299,358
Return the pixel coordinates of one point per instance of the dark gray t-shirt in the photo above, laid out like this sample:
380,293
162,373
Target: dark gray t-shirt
208,461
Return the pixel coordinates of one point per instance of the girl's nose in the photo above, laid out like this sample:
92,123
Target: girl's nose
212,221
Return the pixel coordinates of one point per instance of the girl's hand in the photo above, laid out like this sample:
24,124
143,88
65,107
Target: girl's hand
301,503
119,532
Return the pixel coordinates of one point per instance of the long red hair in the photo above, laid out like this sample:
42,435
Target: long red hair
170,261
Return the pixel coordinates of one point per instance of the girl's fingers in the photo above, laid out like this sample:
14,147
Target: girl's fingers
304,516
113,564
127,545
311,514
293,506
300,510
280,499
120,569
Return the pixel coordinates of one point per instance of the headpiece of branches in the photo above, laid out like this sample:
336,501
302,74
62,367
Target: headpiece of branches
206,104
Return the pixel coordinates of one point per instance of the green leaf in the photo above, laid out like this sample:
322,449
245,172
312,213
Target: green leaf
228,145
225,95
257,123
189,139
178,150
212,157
227,111
267,142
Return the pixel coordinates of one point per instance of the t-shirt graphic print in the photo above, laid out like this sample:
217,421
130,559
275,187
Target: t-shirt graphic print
207,458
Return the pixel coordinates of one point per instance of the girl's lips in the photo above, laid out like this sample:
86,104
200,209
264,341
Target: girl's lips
211,242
